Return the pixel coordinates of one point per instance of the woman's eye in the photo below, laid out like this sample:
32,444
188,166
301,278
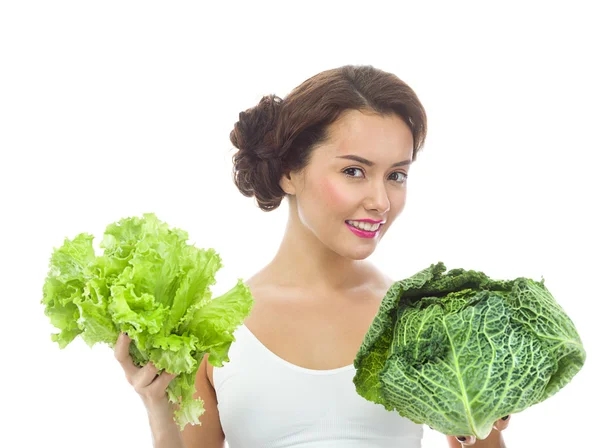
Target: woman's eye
401,177
352,170
400,180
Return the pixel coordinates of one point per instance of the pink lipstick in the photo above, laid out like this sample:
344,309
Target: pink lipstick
363,233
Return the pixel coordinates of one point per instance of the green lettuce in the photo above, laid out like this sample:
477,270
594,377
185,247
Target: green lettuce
154,286
457,351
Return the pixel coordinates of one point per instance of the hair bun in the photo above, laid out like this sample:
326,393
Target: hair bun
257,166
254,130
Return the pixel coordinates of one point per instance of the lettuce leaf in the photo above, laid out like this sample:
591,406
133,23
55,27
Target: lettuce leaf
153,285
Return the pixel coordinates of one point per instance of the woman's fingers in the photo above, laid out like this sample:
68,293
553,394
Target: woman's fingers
150,386
160,384
499,425
124,358
145,376
466,440
146,381
502,423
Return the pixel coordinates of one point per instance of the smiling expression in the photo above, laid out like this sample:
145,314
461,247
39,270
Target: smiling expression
359,173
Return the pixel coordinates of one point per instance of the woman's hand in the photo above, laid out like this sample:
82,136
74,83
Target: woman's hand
500,425
145,380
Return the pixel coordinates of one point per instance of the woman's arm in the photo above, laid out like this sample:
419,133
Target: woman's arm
209,433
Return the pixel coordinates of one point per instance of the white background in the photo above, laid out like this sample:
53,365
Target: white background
115,108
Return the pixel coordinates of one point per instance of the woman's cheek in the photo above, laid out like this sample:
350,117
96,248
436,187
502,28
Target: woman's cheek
333,194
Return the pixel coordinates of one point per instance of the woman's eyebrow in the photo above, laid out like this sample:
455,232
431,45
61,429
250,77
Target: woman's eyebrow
369,163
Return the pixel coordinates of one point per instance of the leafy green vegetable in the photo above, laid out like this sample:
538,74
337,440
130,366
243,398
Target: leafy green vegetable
458,351
152,285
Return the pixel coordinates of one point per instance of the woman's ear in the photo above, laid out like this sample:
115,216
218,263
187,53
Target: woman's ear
287,184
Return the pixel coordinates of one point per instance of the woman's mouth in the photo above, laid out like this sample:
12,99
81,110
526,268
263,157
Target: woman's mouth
363,229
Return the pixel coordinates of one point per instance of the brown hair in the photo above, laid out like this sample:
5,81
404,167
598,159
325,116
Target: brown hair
278,135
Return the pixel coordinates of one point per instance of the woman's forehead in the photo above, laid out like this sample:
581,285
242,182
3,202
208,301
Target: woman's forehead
381,139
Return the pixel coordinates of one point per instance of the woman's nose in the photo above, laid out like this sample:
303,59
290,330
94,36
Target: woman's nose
377,198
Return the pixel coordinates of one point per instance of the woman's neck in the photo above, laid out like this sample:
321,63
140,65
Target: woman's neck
303,260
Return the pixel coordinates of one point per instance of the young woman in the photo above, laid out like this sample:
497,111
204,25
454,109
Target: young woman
339,147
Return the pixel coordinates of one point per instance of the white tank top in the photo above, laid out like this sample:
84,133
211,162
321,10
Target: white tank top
267,402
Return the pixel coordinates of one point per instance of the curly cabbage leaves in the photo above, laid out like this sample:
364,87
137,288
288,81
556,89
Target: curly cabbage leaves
152,285
457,351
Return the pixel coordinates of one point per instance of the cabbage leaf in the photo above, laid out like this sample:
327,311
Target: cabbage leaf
459,350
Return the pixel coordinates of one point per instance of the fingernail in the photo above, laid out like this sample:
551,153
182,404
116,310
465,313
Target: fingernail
505,418
462,439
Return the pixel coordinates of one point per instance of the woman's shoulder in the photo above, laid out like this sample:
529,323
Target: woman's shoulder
380,280
387,281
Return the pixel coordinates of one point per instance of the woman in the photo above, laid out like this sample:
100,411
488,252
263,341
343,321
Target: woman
339,148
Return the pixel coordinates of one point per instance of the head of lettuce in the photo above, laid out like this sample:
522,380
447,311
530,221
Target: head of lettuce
458,351
153,285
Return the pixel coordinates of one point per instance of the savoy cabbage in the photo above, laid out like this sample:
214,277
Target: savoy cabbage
459,350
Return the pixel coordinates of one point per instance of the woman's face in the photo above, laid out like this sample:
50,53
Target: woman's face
359,173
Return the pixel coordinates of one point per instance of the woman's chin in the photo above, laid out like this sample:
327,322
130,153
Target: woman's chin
360,253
